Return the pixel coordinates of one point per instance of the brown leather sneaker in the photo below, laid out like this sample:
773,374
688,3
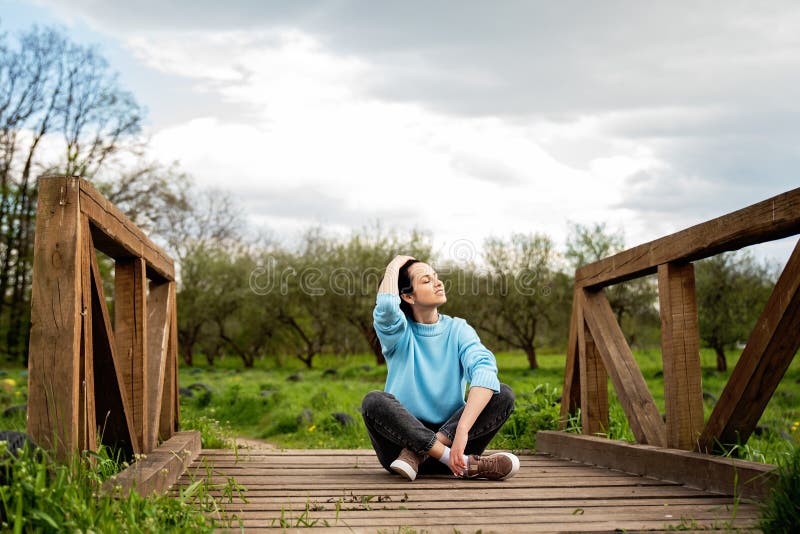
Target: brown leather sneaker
407,464
498,466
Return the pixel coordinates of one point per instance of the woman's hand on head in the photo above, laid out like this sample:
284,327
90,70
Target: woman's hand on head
389,282
398,261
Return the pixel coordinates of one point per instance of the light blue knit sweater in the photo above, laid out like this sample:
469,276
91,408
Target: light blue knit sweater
429,365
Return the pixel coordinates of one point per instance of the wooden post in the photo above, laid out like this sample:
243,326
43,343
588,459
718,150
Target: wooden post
631,388
87,429
594,382
54,362
680,349
130,330
571,394
168,421
159,303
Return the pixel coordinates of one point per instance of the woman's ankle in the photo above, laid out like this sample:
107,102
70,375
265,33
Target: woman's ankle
444,440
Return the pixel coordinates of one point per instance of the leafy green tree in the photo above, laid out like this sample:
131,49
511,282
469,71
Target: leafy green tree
358,264
518,290
196,294
243,324
633,302
307,315
732,289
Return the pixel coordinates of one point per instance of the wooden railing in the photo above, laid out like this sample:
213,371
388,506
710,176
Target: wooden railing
597,347
84,374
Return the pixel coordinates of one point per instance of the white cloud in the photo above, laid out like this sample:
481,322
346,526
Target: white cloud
313,130
651,121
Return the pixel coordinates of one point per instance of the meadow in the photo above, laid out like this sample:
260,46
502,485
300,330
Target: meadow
291,406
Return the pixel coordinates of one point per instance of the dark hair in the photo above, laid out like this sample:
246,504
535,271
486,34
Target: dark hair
404,287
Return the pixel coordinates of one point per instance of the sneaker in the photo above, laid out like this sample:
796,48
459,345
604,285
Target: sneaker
498,466
407,464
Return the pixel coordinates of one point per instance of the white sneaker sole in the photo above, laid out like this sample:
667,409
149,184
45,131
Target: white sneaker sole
406,471
514,464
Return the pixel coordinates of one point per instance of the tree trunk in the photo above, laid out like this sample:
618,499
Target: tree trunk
187,353
530,351
308,359
247,358
722,363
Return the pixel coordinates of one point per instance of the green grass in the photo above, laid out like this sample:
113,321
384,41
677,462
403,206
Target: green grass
781,512
292,407
38,494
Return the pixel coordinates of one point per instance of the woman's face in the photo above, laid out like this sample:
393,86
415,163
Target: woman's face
428,289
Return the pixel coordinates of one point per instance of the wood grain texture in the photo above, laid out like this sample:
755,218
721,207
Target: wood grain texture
348,491
594,382
697,470
771,219
54,362
87,430
176,406
118,237
571,393
130,332
159,303
160,469
680,352
168,423
764,360
629,384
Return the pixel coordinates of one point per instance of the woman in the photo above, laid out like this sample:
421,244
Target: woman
430,357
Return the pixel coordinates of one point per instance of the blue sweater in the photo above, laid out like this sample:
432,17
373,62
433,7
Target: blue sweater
429,365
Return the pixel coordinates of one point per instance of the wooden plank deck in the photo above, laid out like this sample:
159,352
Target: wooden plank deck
348,491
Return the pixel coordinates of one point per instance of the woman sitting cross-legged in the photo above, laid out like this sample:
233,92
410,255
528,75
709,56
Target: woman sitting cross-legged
430,358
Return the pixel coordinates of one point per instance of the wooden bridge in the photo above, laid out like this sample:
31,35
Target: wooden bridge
84,373
348,491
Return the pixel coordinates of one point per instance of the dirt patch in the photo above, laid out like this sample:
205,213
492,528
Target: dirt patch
250,443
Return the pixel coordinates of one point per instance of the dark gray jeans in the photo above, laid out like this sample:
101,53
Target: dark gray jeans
392,428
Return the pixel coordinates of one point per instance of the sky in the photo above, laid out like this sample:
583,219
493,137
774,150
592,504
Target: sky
463,118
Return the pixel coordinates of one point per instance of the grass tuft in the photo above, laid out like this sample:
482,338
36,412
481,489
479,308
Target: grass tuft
781,512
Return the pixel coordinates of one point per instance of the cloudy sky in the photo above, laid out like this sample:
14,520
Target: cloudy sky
463,118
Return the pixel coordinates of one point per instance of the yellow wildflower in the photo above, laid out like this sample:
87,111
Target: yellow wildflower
311,428
8,384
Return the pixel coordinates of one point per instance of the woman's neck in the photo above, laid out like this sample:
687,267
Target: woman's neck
427,316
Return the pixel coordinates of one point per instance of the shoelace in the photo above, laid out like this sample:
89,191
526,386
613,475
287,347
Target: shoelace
486,465
489,465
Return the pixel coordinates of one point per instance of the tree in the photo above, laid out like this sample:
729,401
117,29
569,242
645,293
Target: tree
358,264
633,302
517,290
245,324
63,96
306,312
732,289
